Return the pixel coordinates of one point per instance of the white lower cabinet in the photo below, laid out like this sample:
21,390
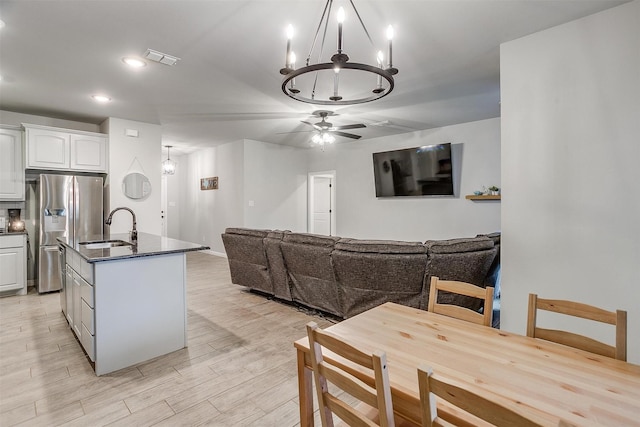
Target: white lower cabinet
77,303
80,304
88,341
68,294
13,264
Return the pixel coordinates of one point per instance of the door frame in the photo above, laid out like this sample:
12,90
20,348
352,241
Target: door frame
310,192
163,205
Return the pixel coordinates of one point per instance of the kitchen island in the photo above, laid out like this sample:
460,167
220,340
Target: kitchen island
127,303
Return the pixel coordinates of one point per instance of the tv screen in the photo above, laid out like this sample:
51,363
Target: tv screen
419,171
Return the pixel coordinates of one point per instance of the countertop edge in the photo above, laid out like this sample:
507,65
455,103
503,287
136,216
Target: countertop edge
152,243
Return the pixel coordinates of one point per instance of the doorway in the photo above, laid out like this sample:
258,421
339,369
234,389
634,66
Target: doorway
163,206
322,211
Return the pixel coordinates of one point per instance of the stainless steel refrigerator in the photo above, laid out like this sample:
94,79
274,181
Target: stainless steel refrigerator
69,206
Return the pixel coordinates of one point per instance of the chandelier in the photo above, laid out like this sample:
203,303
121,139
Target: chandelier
168,166
338,81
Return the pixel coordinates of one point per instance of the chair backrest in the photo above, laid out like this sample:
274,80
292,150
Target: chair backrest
617,318
432,386
341,375
461,288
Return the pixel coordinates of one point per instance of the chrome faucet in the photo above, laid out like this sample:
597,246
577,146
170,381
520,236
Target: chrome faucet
134,232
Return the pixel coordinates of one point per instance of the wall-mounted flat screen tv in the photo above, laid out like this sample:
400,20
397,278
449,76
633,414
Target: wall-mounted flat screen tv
419,171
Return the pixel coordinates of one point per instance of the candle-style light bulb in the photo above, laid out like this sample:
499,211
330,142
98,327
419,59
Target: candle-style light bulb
335,97
390,38
292,66
289,32
340,21
292,60
380,62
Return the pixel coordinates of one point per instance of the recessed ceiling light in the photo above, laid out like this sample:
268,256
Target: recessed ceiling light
1,24
101,98
134,62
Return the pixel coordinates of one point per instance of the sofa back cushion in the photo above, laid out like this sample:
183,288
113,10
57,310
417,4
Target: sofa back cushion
466,260
493,276
279,276
307,259
247,258
372,272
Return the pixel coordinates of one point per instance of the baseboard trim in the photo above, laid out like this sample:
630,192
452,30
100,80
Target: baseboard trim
220,254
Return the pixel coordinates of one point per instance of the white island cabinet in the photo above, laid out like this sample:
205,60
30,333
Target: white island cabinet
128,304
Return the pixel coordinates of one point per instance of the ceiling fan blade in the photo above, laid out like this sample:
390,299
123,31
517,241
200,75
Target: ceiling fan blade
295,131
353,126
347,135
311,124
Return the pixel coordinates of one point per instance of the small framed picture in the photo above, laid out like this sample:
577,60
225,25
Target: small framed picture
210,183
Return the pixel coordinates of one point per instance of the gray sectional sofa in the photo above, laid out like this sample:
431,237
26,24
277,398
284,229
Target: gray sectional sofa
345,276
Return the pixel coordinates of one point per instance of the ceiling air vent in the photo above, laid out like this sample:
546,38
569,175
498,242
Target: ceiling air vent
163,58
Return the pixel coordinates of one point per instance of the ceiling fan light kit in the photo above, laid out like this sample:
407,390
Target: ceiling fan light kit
312,73
326,131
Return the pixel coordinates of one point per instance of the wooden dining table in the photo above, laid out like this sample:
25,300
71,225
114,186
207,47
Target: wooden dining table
545,381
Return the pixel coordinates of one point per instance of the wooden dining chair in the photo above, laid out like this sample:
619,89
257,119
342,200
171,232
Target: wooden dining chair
375,407
461,288
617,318
433,387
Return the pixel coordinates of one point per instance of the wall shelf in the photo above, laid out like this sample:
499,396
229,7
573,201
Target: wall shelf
474,197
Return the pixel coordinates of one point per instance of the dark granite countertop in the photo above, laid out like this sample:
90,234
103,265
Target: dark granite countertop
147,245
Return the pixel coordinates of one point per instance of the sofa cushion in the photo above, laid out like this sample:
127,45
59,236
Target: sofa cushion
247,232
372,272
452,246
310,239
493,276
380,246
247,257
465,260
279,275
307,260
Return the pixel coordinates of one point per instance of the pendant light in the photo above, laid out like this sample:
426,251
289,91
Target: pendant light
168,166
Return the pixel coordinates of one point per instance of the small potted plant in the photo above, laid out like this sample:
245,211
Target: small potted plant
493,190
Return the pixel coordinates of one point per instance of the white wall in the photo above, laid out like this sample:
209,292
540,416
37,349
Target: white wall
272,177
476,150
275,186
205,214
128,154
570,153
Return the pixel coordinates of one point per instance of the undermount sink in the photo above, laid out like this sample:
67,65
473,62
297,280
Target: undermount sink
104,244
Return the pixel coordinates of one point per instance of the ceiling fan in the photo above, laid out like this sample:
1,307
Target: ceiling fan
324,127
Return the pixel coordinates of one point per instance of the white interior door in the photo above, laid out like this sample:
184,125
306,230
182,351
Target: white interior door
322,205
322,213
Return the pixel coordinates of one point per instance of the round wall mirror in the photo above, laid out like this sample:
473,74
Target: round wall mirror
136,186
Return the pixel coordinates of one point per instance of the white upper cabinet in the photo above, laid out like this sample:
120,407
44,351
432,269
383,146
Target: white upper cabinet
47,149
11,165
88,153
61,149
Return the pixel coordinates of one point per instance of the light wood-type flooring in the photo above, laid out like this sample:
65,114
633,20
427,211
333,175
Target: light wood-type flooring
238,370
